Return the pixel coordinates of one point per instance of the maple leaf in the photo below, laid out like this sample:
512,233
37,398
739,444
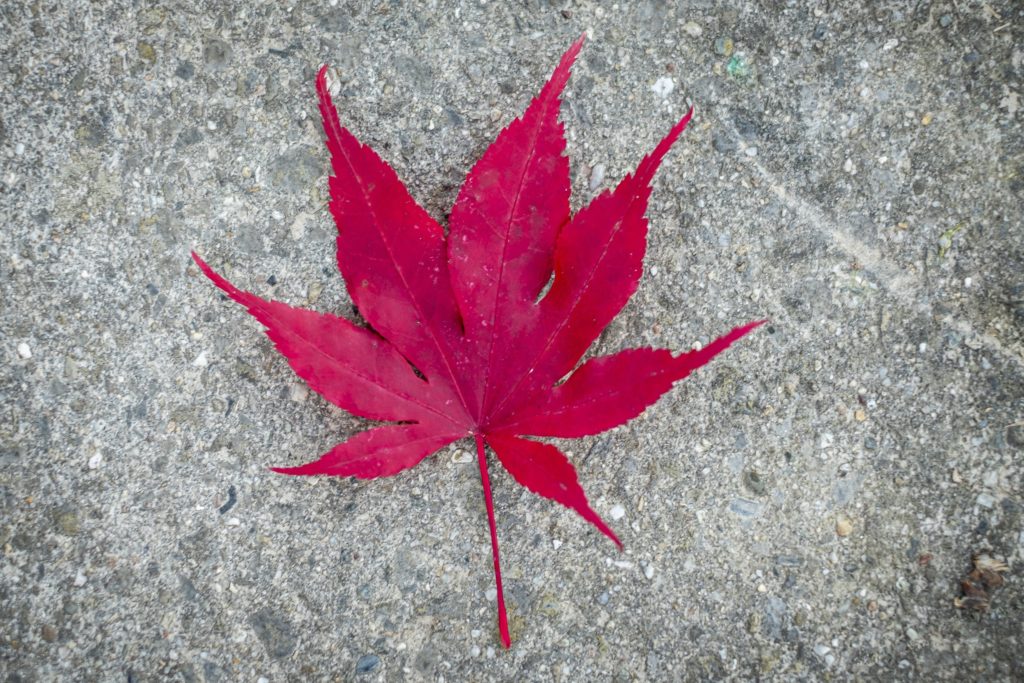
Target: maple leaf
463,341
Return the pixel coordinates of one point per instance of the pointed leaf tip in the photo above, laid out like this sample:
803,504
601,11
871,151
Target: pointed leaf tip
608,391
649,166
576,46
218,279
321,76
503,228
545,470
391,253
379,452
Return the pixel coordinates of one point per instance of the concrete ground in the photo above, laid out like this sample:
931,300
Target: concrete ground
802,509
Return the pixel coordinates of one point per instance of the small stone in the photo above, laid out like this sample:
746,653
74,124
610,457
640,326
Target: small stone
926,119
850,167
652,664
298,392
821,649
737,67
789,560
723,46
189,136
603,598
146,51
24,351
596,177
200,361
844,527
846,488
649,571
230,502
945,20
723,143
95,461
663,87
1015,435
313,292
80,579
276,634
66,520
617,512
185,71
298,226
986,500
744,507
367,663
754,482
48,633
216,54
692,28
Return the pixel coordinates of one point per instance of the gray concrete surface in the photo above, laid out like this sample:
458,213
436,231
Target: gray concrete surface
854,171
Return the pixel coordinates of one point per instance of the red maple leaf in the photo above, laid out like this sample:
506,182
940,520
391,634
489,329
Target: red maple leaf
461,342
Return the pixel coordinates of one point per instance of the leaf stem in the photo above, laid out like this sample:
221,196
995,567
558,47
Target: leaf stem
506,640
